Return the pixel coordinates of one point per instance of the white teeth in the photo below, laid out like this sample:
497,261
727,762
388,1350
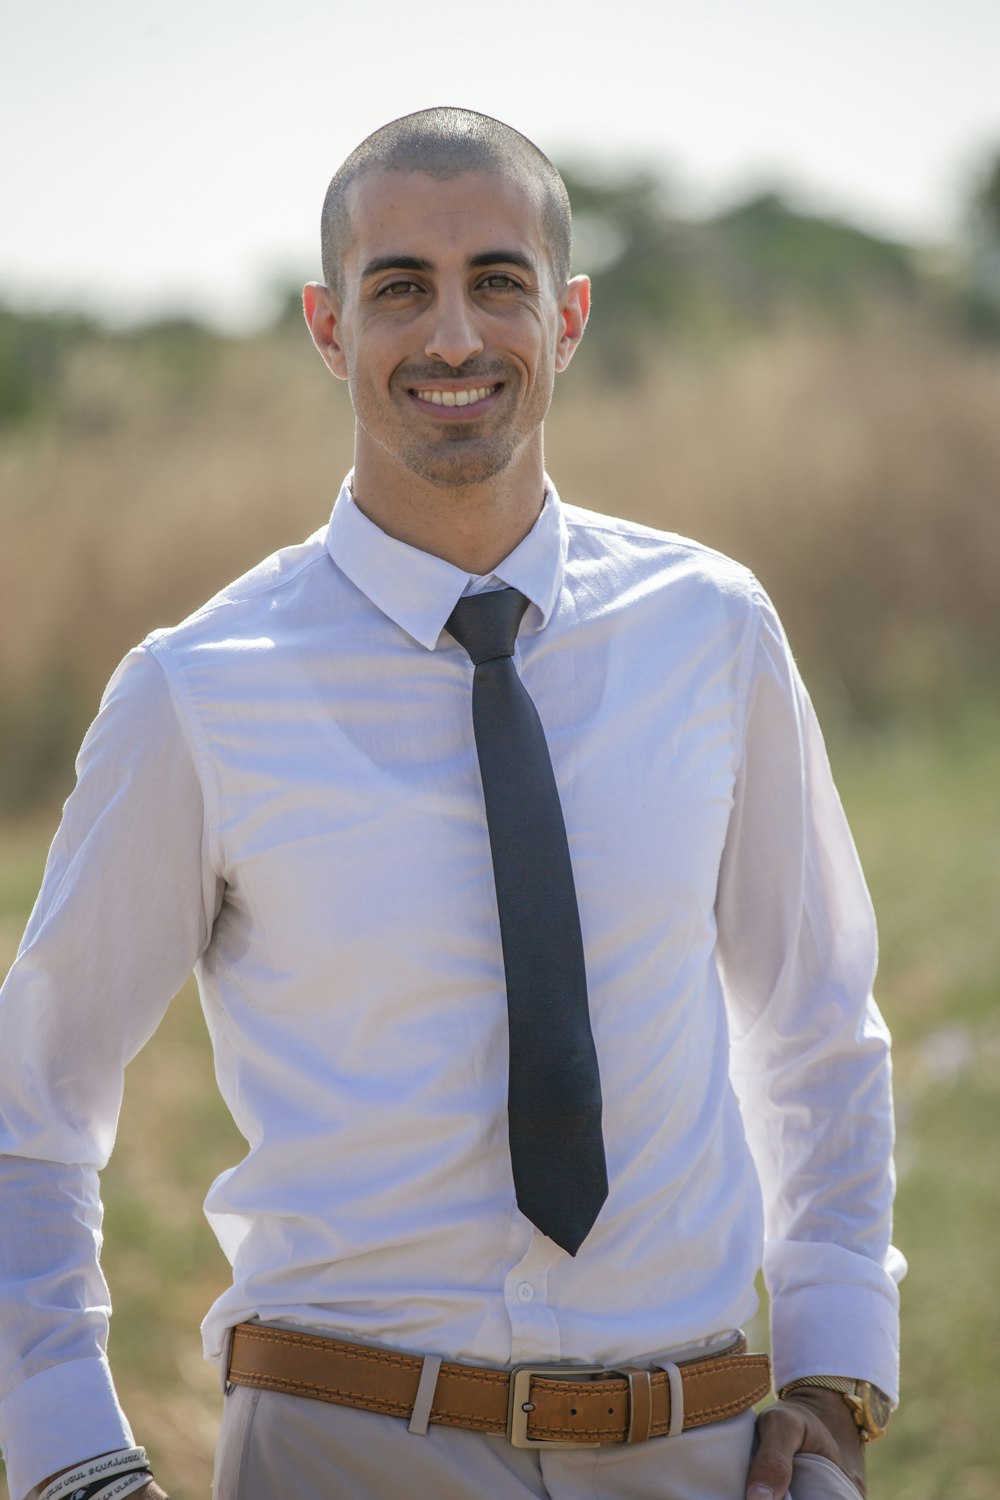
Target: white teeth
456,398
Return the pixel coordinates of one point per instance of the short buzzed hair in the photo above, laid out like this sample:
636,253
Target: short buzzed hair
442,143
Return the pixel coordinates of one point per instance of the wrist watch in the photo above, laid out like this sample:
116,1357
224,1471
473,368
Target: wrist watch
870,1407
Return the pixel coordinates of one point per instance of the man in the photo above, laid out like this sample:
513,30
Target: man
298,790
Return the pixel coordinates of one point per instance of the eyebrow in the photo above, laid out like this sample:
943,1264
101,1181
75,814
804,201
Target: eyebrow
504,258
418,263
396,263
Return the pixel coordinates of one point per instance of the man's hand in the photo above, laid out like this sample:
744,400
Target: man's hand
812,1420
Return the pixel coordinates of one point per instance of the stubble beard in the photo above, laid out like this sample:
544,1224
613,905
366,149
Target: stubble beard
460,461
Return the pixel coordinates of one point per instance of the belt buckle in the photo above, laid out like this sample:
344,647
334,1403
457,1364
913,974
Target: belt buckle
520,1407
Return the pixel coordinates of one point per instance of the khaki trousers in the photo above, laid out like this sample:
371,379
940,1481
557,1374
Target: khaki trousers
275,1447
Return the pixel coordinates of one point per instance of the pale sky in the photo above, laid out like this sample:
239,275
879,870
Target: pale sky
173,156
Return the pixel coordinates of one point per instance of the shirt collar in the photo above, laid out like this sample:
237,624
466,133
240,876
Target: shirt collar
419,591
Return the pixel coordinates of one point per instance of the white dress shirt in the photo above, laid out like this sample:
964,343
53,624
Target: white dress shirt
283,792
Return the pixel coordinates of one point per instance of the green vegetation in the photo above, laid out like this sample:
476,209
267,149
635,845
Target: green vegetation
926,811
711,281
981,279
33,351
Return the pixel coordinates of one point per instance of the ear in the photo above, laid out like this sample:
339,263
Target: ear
323,319
574,311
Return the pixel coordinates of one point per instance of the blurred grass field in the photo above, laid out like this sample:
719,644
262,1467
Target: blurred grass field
926,812
857,468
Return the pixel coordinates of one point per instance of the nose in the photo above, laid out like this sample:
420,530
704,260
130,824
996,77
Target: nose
453,335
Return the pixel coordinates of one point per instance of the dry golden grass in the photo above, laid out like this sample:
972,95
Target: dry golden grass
858,471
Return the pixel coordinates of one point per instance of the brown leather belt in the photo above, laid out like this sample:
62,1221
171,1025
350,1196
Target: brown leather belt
534,1405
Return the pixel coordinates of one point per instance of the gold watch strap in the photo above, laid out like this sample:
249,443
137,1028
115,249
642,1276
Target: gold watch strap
870,1407
845,1384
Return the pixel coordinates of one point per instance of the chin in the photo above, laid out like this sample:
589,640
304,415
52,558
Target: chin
460,470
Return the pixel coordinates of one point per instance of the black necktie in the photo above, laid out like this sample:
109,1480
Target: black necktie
554,1087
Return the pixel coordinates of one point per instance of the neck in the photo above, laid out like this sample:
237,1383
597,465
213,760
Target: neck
474,527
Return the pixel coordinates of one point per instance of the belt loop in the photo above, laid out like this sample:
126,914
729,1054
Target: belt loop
227,1354
640,1404
676,1399
424,1400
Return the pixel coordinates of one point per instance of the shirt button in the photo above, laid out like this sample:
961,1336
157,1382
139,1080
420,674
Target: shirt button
525,1291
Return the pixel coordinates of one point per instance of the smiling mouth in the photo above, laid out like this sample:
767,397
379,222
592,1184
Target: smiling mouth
457,398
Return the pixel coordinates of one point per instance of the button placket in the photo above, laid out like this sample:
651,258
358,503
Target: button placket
534,1327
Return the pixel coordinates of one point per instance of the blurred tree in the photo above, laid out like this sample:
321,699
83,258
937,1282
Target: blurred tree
288,298
988,198
765,254
180,352
739,271
639,258
33,349
982,271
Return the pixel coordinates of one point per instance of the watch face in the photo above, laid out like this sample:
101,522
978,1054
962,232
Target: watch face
879,1406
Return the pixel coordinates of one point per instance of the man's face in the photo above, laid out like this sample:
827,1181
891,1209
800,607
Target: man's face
447,323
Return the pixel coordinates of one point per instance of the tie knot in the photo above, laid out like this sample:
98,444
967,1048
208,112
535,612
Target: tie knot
486,625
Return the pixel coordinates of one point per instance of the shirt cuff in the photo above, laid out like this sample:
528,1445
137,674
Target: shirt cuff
847,1324
58,1418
